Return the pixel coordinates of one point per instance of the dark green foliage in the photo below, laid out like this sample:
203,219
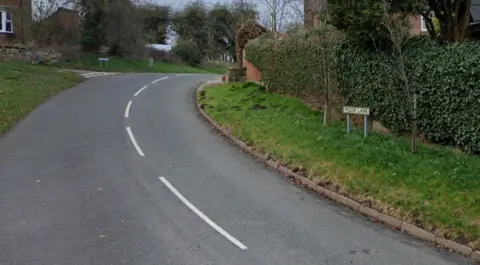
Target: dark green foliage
446,79
93,26
156,19
191,24
362,20
221,30
212,29
188,51
294,65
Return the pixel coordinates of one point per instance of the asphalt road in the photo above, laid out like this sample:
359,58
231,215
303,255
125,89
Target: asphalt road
75,189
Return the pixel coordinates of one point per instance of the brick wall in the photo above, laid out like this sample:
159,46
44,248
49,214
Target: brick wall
21,18
253,74
416,23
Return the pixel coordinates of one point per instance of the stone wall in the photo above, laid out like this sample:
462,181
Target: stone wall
23,53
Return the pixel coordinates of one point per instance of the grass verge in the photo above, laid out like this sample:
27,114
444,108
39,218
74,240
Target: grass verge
436,189
25,86
135,66
217,67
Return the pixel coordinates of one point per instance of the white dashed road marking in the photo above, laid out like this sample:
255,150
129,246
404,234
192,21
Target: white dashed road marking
127,110
202,215
134,142
163,78
140,91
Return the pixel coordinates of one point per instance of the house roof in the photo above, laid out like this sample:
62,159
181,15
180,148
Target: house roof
61,9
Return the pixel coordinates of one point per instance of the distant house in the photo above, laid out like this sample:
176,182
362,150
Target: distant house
15,21
60,27
314,7
418,22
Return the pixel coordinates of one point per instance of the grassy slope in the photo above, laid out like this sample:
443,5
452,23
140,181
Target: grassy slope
218,67
125,65
436,188
24,86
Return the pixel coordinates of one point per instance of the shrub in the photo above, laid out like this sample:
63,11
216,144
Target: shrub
362,20
188,52
295,64
446,79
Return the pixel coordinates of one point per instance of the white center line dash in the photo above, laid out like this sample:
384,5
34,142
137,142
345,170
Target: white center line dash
139,91
158,80
127,110
202,215
134,142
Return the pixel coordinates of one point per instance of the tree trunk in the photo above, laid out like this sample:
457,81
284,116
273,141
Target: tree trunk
414,124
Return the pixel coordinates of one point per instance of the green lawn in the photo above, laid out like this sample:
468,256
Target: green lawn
437,188
218,67
24,86
126,65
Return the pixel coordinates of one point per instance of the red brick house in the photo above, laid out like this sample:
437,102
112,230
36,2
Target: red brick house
15,21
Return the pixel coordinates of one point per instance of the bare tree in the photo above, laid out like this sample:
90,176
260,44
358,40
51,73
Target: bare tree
276,13
398,33
326,38
41,9
314,10
296,9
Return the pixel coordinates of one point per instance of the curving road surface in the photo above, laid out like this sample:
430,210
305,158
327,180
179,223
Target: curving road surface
75,189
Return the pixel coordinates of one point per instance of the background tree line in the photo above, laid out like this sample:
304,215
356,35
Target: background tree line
208,32
198,31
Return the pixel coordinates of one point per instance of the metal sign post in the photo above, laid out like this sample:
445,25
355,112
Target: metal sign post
357,111
103,60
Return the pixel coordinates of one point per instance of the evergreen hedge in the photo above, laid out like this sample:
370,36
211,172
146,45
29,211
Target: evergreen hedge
294,64
446,78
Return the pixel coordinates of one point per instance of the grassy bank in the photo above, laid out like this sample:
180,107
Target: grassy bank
436,188
24,86
217,67
135,66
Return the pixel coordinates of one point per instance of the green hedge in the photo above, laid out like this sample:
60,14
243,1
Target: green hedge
292,65
446,78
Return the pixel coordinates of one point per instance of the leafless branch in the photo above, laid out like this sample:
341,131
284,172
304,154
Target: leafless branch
398,33
276,13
